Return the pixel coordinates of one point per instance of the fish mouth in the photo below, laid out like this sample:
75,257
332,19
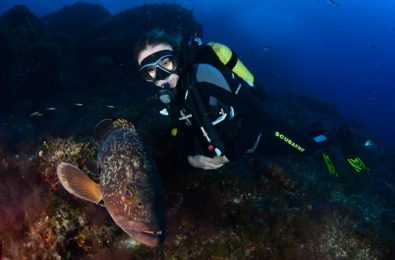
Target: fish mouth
153,232
148,237
146,233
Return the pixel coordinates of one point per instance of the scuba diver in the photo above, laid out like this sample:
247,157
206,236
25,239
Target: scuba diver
207,90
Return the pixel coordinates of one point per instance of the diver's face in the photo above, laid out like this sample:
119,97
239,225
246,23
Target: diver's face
158,65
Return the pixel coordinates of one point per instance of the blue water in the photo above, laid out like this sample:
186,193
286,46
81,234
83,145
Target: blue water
339,53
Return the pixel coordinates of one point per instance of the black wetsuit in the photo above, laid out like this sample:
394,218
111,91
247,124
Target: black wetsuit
233,111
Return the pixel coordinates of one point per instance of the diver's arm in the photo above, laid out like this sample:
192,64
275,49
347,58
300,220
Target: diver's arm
244,110
230,90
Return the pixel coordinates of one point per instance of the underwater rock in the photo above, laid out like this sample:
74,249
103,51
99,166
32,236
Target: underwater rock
33,59
75,20
115,37
230,214
43,61
279,175
55,150
19,17
102,71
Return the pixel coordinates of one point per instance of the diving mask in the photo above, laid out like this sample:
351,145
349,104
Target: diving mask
158,65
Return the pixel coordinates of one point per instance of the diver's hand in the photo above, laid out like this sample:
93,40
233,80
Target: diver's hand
206,163
220,159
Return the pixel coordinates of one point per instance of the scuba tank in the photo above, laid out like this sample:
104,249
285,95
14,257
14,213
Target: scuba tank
229,58
226,56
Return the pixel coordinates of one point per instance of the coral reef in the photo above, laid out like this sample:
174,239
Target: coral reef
278,174
244,210
54,151
75,20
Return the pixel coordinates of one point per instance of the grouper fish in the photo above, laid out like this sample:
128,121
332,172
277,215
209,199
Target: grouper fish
129,186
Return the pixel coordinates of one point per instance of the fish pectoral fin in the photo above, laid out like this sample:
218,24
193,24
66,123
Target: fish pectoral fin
78,183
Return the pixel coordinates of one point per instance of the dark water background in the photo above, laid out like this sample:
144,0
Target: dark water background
341,52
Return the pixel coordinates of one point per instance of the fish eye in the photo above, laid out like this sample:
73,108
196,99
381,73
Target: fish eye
130,192
131,195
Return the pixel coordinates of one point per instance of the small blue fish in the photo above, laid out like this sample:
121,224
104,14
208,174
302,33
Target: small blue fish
334,2
370,144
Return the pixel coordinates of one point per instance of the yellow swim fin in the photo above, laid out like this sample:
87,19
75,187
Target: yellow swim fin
357,164
329,164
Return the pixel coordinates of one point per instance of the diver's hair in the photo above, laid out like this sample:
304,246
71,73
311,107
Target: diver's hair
155,37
